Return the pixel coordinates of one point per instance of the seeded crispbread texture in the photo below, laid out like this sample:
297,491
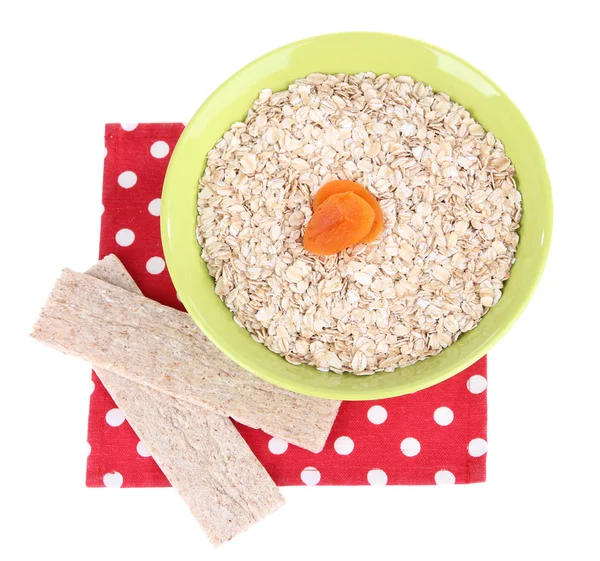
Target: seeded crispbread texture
160,347
202,454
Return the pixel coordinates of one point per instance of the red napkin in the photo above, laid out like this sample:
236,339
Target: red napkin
437,435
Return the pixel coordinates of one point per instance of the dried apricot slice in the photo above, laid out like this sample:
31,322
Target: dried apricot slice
345,186
340,221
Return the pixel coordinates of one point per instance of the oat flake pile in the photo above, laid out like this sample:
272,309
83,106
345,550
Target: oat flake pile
450,205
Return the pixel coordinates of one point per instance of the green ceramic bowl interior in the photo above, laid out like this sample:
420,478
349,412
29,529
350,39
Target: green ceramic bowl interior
351,53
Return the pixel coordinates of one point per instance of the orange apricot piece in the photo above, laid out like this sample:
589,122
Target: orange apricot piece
346,186
342,220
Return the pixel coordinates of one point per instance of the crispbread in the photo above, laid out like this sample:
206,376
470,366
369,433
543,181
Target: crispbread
154,345
203,456
201,453
111,270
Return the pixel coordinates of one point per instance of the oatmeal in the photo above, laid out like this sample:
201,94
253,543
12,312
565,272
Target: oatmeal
450,209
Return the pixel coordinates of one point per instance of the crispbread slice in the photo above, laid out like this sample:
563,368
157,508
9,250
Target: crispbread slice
111,270
201,453
154,345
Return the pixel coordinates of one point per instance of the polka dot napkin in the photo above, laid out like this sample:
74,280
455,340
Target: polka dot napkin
435,436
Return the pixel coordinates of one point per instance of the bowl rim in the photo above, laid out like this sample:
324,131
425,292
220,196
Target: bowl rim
337,393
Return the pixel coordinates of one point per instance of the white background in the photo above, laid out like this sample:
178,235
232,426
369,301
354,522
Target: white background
69,67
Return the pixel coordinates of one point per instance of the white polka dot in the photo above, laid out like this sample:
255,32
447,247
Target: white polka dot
444,477
155,265
101,209
377,414
277,446
443,416
129,126
125,237
127,179
142,450
477,447
476,384
178,297
105,151
343,445
92,387
310,476
88,447
115,418
114,479
410,446
377,477
159,149
154,207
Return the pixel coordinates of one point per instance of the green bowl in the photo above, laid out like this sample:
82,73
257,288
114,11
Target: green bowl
351,53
